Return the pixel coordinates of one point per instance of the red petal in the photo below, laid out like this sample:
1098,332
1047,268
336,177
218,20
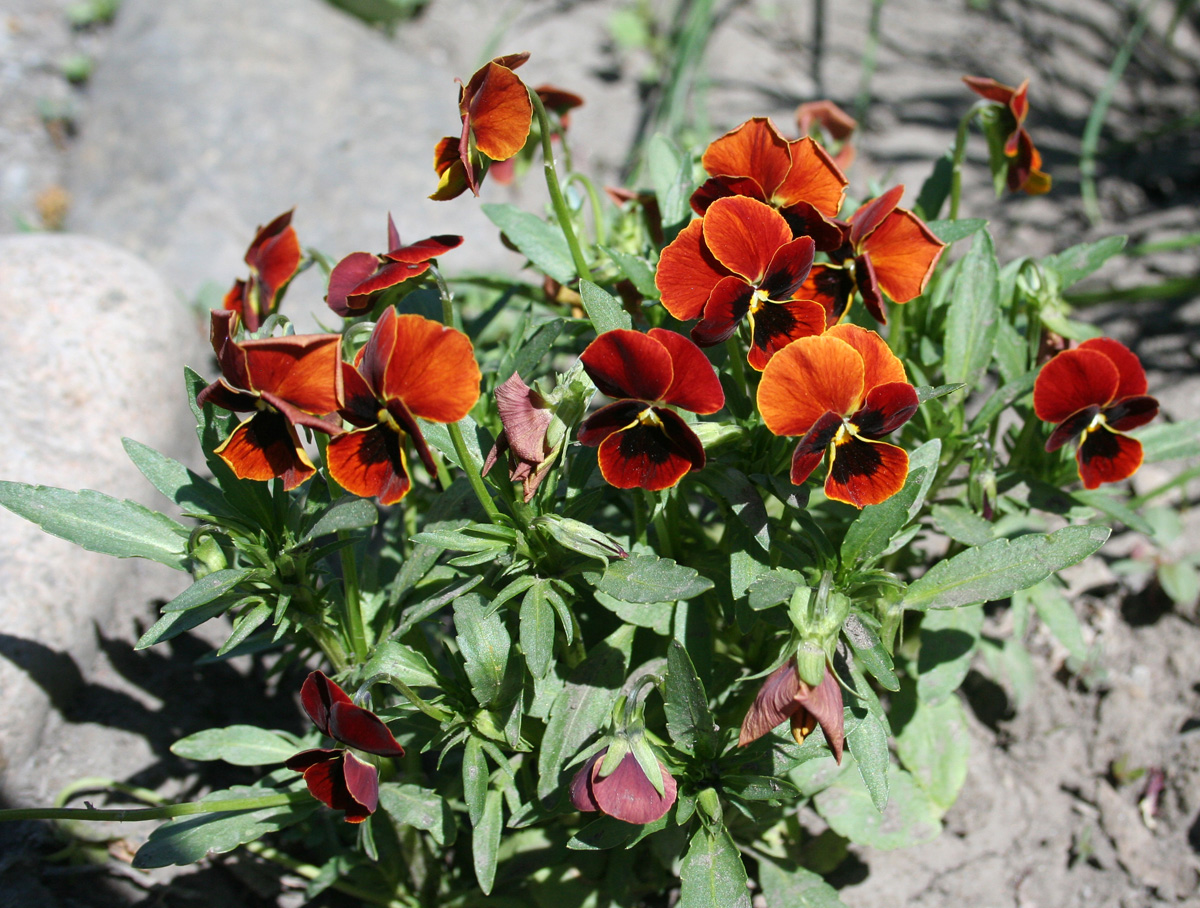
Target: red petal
363,730
370,463
904,253
865,472
362,787
274,256
627,794
318,695
1131,375
497,106
609,419
743,234
581,785
651,457
805,220
694,383
864,221
813,178
219,394
390,275
789,269
306,758
452,173
831,118
806,379
1072,381
886,409
424,250
1131,412
628,364
755,149
304,370
868,286
361,406
687,273
266,447
990,89
773,705
778,324
346,276
811,449
1070,428
1107,456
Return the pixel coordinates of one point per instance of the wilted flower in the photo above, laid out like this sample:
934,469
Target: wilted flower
1096,393
784,695
525,417
274,259
335,776
1021,165
837,125
625,792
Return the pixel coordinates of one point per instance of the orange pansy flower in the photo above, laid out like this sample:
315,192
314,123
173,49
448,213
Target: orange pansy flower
841,393
1024,172
274,258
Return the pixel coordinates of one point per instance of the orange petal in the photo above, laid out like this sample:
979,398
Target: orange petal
743,234
304,370
370,463
807,378
1107,456
880,364
755,149
687,273
265,447
499,111
864,472
904,252
452,174
813,178
990,89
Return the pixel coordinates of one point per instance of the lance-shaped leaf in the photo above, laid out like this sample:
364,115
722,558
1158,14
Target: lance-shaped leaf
420,808
604,309
689,720
796,887
972,321
241,745
712,874
949,639
540,242
643,577
485,645
873,530
193,494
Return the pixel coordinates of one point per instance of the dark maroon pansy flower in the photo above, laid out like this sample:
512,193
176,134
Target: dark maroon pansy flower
274,258
335,776
625,793
785,696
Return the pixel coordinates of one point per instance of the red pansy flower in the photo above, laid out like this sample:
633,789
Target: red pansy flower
357,281
1024,171
1096,393
739,262
625,793
826,117
410,367
784,695
496,115
335,776
797,177
274,259
892,252
642,443
841,392
285,382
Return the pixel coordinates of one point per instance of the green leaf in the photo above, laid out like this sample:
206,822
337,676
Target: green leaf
952,231
172,624
670,175
420,808
877,524
247,623
910,818
534,349
933,192
208,588
1060,619
1110,505
537,629
1000,568
949,639
758,788
643,577
638,270
582,706
962,525
193,494
485,841
475,778
712,874
347,513
602,834
774,588
744,500
935,746
604,309
540,242
657,616
98,523
1074,264
870,651
1169,441
485,645
460,540
188,839
869,745
795,888
402,662
1180,581
971,322
241,745
689,720
929,392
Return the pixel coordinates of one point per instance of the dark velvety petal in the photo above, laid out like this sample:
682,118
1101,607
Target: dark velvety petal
824,703
1071,427
726,307
274,256
345,277
236,300
990,89
362,786
711,190
307,758
865,472
789,268
609,419
687,273
219,394
832,286
627,794
328,782
811,449
775,325
370,463
318,694
864,221
774,703
1072,381
363,730
1131,376
424,250
525,418
361,407
266,447
868,287
452,173
1107,456
581,785
628,364
298,417
390,275
652,455
694,383
827,233
887,408
1131,412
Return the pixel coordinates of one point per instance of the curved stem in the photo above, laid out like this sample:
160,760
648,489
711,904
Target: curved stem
556,197
960,152
137,814
597,211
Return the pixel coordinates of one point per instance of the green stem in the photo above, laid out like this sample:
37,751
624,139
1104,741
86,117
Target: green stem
946,472
863,99
665,547
352,602
309,872
597,208
472,470
556,197
137,814
639,519
960,153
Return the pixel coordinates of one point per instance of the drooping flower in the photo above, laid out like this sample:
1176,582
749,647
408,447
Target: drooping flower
525,417
784,695
410,367
335,776
841,393
358,280
888,250
285,382
274,258
825,117
796,177
642,443
1096,393
496,116
1022,164
625,793
739,262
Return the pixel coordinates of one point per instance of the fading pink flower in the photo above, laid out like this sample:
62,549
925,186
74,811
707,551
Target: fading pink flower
625,793
784,695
